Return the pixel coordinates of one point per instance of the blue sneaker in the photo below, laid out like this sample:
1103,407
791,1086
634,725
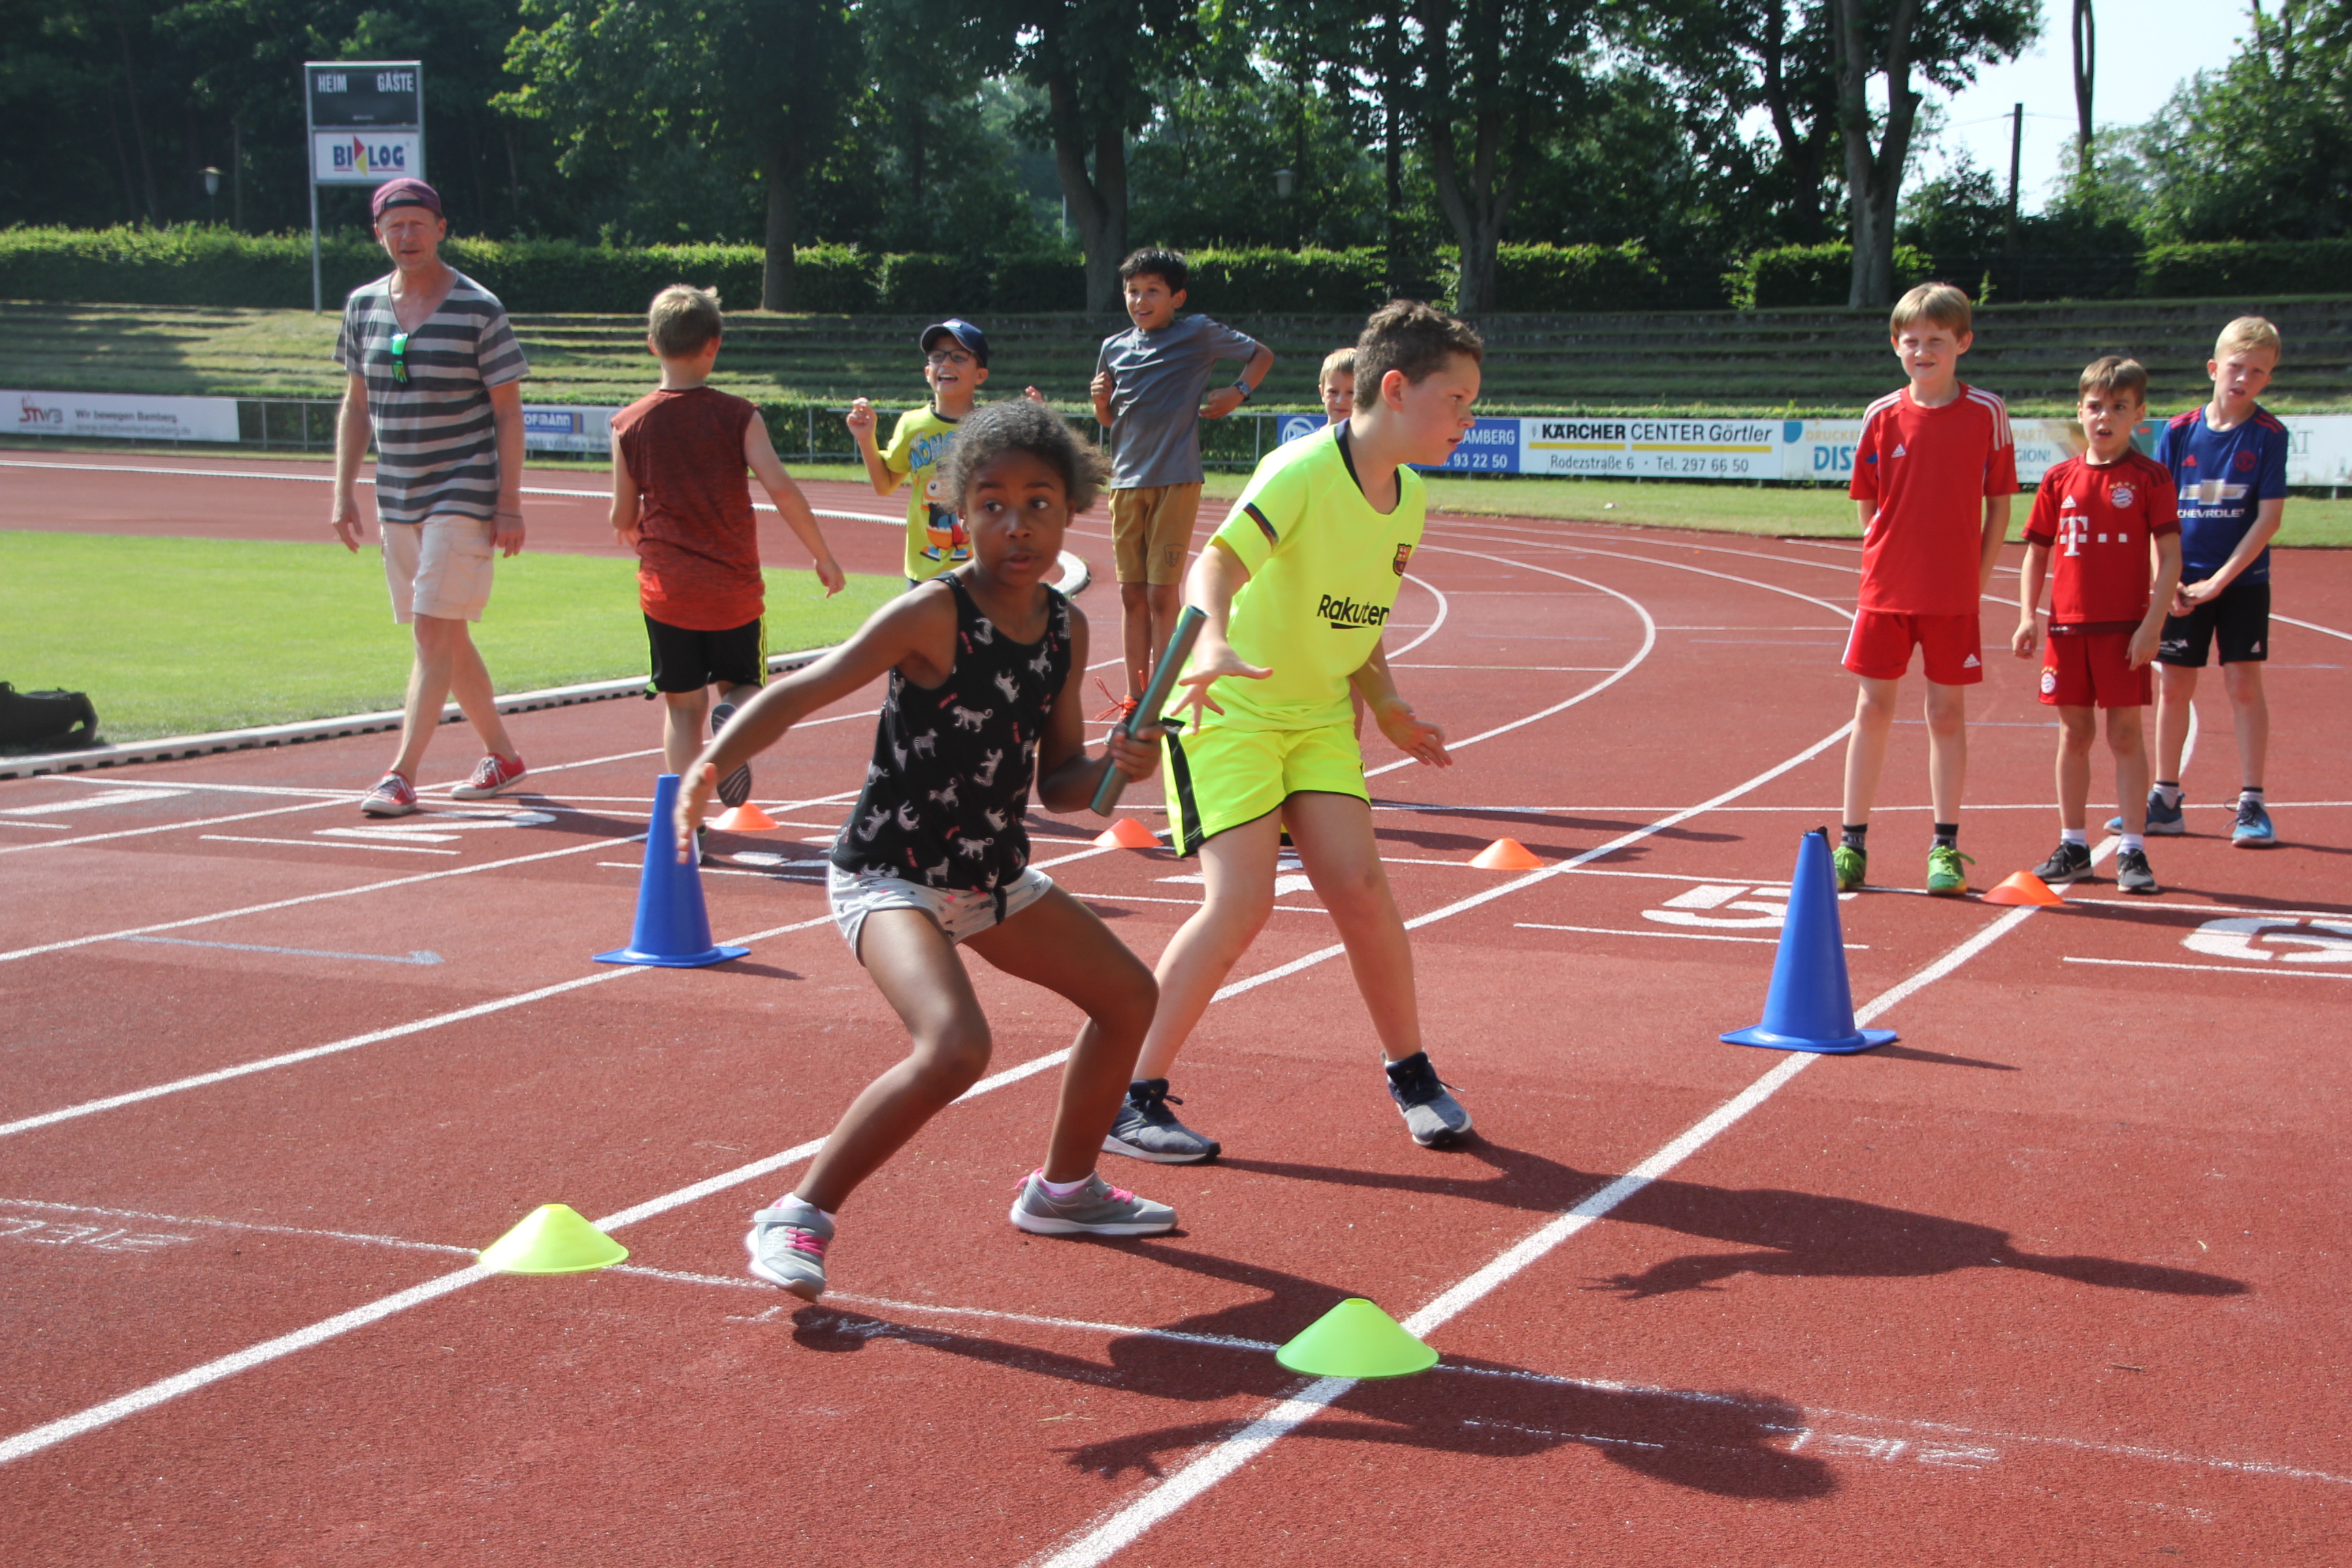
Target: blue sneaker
2163,821
2253,830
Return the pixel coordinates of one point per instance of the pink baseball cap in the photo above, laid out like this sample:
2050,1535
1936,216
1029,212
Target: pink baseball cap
405,193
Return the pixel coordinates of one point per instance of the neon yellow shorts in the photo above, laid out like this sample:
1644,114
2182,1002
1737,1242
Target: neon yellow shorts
1222,777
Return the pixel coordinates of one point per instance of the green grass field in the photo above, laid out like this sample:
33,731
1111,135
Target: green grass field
182,636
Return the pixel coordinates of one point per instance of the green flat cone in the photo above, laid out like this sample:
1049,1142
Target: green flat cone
553,1239
1356,1339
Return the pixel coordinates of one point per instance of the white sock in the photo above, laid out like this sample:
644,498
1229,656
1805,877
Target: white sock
1065,1189
2127,842
2077,836
790,1200
2249,793
2168,792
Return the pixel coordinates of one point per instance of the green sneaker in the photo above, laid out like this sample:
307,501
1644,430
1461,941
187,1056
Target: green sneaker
1943,873
1850,865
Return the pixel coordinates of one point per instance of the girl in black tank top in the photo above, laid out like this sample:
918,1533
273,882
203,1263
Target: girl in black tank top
983,700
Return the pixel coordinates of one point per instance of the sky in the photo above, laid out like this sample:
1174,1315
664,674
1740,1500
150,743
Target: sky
2146,49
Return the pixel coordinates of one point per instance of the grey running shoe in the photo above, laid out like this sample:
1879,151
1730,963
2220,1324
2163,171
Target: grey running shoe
736,787
2066,863
787,1246
1095,1209
2163,821
2132,875
1144,1129
1431,1114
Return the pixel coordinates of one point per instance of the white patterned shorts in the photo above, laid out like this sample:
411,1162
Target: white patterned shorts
960,913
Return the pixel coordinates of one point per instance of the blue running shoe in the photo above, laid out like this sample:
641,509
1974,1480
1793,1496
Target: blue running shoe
2163,821
2253,830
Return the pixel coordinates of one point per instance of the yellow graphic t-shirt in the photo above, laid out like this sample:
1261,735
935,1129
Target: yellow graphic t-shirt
1324,574
935,537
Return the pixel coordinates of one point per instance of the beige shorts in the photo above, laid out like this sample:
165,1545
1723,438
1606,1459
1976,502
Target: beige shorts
1152,532
440,567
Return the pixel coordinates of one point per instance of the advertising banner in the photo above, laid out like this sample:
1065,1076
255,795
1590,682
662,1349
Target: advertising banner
1491,446
365,157
128,418
548,429
1629,447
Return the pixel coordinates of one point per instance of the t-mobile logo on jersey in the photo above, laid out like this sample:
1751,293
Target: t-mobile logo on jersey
2073,528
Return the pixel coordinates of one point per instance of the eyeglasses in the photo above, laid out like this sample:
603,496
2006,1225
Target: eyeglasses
399,358
948,357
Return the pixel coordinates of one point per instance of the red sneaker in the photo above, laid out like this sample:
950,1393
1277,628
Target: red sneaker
391,797
492,775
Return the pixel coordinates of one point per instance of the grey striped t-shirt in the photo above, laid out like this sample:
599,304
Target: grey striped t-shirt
436,446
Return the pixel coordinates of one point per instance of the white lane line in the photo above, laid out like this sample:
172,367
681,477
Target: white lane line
1671,935
422,956
1444,607
1838,610
591,845
1673,819
86,803
1128,1523
43,827
2249,970
361,1236
2309,627
323,844
1649,641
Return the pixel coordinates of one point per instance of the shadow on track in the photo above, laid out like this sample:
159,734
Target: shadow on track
1718,1442
1800,1235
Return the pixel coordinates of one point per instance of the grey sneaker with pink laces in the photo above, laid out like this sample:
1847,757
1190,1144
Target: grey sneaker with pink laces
787,1246
1095,1209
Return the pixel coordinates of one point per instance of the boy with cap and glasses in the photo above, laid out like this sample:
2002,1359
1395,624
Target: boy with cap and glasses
955,363
434,373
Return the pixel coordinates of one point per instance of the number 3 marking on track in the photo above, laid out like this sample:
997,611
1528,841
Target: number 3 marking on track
2237,937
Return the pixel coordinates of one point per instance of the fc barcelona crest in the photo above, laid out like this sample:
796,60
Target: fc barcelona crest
1404,555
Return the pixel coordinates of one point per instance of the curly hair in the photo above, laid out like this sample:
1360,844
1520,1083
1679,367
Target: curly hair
1018,424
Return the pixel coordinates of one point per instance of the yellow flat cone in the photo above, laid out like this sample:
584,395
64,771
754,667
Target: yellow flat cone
553,1239
1505,855
1356,1339
2023,887
1127,833
745,819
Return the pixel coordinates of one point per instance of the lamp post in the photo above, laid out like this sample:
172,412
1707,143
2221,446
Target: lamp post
212,197
1286,183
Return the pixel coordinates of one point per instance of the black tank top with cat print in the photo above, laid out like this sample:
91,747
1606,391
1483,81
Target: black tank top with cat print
945,801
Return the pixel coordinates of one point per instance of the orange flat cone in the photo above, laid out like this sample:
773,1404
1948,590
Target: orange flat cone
1505,855
2023,887
745,819
1127,833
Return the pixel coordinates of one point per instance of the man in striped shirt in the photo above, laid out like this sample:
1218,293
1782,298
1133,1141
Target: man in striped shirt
437,374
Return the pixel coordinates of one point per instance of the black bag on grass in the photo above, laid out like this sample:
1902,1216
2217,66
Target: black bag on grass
33,722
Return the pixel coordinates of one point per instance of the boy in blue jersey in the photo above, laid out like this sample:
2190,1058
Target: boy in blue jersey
2227,460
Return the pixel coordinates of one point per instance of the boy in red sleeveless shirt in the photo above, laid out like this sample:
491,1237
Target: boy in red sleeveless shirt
1933,475
681,502
2097,521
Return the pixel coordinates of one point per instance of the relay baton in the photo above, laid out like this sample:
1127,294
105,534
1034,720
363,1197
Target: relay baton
1155,698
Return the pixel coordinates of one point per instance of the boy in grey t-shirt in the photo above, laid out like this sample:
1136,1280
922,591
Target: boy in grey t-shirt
1147,389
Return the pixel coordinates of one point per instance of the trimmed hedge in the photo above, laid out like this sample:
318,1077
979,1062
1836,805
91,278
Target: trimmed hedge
1811,275
1578,278
2246,266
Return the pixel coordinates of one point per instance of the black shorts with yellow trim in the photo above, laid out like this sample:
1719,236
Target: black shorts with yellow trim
687,660
1220,777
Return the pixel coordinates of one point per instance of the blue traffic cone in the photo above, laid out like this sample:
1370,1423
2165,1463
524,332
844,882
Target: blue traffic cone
673,929
1810,1004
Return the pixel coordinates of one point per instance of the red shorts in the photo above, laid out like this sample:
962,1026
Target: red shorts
2084,670
1951,646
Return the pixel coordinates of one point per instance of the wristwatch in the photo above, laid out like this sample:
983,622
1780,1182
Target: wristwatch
1245,389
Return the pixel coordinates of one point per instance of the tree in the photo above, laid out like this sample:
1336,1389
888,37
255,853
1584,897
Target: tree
761,81
2262,147
1094,62
1492,78
1945,43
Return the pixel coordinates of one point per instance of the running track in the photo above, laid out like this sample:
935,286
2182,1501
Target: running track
2052,1280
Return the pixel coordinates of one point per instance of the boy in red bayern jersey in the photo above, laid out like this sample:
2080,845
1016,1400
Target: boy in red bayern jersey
1933,476
680,500
2098,521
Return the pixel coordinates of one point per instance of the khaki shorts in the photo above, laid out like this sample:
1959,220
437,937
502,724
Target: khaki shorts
1151,532
440,567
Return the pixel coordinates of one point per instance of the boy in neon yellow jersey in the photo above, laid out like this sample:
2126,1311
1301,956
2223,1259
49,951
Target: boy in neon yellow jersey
1297,586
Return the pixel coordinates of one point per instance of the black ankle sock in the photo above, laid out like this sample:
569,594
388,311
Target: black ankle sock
1852,838
1947,835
